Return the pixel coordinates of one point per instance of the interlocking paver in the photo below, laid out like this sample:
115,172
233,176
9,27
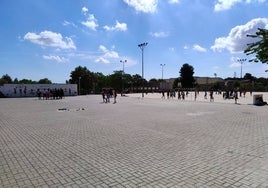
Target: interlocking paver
135,143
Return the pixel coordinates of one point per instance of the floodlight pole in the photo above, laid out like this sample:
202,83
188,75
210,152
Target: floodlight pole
162,65
123,61
162,81
79,86
241,61
142,46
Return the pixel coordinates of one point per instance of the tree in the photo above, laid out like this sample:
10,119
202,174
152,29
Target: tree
127,82
83,78
186,76
260,48
175,83
249,76
6,79
100,81
115,80
16,81
137,80
154,82
27,81
44,81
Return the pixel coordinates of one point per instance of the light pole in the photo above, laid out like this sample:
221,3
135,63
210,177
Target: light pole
241,61
142,46
123,61
79,85
162,65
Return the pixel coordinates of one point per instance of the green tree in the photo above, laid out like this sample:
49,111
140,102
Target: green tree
116,81
27,81
127,80
260,47
83,78
137,80
6,79
175,83
153,82
44,81
249,76
100,81
186,76
236,84
16,81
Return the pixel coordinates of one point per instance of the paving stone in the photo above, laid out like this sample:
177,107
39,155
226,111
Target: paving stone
135,143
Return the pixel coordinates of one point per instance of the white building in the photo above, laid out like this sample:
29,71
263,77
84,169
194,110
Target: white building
30,90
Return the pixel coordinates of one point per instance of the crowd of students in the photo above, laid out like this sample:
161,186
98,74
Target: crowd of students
47,94
107,94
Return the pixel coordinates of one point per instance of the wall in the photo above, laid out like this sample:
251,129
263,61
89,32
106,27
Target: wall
30,90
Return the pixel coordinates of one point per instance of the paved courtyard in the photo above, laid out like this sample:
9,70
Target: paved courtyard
149,142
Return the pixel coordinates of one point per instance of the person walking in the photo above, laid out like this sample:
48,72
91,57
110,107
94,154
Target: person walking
103,95
235,96
211,96
205,96
114,95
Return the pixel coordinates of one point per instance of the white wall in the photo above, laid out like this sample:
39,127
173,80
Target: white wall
30,90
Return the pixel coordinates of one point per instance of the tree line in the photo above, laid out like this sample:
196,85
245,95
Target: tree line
94,82
6,79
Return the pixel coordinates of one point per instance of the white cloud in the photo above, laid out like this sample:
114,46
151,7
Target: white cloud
227,4
91,22
111,54
103,48
66,23
118,27
55,58
84,10
49,38
107,56
160,34
173,1
237,39
235,65
185,47
198,48
147,6
102,60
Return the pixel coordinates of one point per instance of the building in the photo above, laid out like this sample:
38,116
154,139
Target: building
201,82
207,80
30,90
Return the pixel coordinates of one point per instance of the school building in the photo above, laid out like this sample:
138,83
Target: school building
30,90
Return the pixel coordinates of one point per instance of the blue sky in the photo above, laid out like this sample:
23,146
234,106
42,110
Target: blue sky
48,38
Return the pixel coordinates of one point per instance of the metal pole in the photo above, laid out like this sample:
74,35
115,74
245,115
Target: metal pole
241,62
142,49
123,74
162,70
241,70
162,81
142,75
79,85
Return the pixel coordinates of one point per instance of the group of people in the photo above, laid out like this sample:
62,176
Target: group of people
107,94
47,94
182,94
